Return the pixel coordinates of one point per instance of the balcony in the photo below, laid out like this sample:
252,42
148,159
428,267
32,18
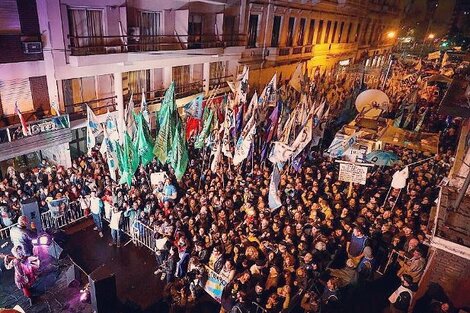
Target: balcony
78,110
91,45
13,51
289,53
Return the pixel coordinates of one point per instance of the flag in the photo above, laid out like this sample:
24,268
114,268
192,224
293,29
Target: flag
55,107
421,120
129,117
303,138
339,146
111,127
143,144
398,119
228,122
232,87
144,109
216,154
399,178
298,161
192,126
296,78
280,152
194,107
242,87
179,153
24,127
251,107
268,96
274,200
271,129
129,160
107,150
205,130
243,146
445,60
167,123
93,128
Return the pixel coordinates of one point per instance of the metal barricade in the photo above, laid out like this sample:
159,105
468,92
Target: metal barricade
72,215
5,232
258,308
393,257
143,235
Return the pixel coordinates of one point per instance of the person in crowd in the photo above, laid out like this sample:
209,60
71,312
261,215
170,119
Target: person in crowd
401,298
115,225
22,237
96,205
413,267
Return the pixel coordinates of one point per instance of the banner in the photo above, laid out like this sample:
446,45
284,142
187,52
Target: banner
352,173
156,178
243,146
214,285
58,207
280,152
434,55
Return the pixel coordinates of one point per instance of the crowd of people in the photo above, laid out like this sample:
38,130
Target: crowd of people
325,238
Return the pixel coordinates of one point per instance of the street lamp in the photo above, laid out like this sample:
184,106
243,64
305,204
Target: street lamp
391,34
431,36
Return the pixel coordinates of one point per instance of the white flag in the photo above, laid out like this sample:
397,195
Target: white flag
274,200
296,78
93,128
280,152
243,145
399,178
303,138
129,117
268,96
217,155
226,137
251,111
145,109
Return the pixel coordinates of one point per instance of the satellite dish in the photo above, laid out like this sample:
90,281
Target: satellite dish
372,102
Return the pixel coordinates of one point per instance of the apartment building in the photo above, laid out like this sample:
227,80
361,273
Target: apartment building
100,52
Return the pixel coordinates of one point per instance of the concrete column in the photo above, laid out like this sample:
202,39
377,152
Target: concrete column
206,76
167,74
119,102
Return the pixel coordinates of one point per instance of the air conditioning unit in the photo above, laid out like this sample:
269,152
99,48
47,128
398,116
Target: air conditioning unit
32,47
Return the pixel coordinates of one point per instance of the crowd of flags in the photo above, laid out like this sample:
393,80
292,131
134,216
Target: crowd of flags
267,126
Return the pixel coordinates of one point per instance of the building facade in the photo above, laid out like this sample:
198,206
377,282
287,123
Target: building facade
98,53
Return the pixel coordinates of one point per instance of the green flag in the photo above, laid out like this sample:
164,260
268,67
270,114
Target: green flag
179,153
129,160
120,157
167,121
205,131
144,142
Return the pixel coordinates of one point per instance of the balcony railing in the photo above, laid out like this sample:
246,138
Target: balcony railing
99,106
88,45
220,82
15,132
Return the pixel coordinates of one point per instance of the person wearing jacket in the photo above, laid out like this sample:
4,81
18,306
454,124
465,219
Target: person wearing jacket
169,266
401,298
115,224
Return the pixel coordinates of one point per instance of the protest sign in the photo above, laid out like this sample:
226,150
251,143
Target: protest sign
214,285
155,178
352,173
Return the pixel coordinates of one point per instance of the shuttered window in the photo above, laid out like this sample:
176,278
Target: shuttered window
9,19
16,90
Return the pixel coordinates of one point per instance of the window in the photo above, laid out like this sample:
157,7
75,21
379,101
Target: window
195,31
217,73
276,31
327,35
319,32
253,30
9,19
149,25
138,80
333,37
349,32
358,29
290,32
341,28
372,27
78,144
300,37
311,31
86,29
16,90
182,78
229,30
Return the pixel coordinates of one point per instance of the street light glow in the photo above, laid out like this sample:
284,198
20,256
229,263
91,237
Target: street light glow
431,36
391,34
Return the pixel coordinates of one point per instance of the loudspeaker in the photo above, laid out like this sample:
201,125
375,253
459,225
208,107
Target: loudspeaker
73,276
55,250
103,290
30,209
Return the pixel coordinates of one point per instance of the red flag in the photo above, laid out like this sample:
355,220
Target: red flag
192,126
22,121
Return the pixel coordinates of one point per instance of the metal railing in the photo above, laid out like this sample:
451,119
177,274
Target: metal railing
99,106
220,82
5,232
88,45
15,132
72,215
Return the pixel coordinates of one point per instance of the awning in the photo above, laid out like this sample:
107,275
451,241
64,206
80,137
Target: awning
425,142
